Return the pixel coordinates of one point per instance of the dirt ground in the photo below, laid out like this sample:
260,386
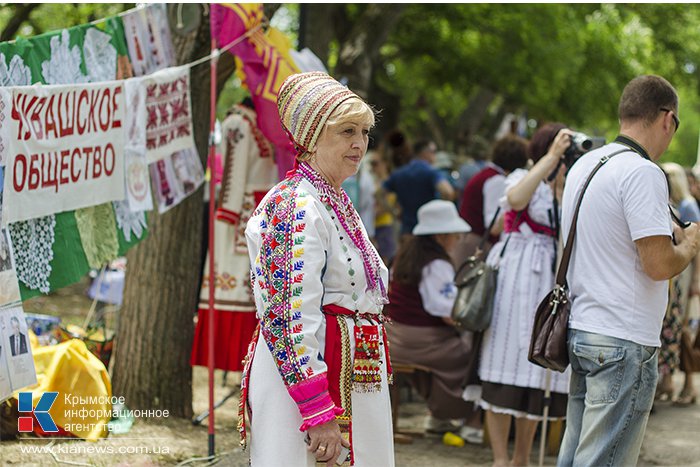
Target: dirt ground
672,436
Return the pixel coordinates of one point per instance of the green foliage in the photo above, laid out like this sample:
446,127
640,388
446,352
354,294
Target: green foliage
231,94
53,16
550,62
684,146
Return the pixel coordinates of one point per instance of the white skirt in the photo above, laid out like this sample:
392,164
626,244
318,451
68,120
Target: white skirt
275,439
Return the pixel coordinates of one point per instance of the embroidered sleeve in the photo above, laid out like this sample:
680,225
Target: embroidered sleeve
238,143
290,268
437,289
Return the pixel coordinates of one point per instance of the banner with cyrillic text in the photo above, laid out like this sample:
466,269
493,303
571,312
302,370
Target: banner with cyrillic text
66,149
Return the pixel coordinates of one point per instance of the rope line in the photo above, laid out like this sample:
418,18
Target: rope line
211,56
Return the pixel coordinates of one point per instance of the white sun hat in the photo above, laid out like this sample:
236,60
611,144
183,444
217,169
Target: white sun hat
439,217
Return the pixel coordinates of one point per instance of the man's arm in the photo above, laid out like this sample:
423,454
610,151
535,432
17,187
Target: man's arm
661,259
446,191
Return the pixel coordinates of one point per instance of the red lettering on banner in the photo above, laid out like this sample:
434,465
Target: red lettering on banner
34,172
19,186
97,162
79,113
116,123
104,109
91,112
63,177
35,119
73,177
67,111
50,118
15,114
109,159
87,152
20,110
49,173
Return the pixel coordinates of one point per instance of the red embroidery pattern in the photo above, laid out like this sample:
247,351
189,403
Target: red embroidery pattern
168,107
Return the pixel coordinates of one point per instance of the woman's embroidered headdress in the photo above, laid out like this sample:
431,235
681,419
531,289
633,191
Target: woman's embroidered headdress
305,101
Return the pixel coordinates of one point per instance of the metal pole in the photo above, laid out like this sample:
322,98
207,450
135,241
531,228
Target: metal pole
212,281
545,413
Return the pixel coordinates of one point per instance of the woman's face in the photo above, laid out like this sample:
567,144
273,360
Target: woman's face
340,149
449,241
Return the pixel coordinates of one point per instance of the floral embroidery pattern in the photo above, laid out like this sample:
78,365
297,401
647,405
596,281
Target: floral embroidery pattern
64,65
17,74
168,117
448,290
100,56
247,208
33,247
129,221
279,275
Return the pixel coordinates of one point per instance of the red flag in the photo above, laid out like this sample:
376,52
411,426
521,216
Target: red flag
264,66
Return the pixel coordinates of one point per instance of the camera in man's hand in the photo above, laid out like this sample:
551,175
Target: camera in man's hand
581,143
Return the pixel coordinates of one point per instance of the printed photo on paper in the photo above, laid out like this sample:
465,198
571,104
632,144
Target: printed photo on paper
16,354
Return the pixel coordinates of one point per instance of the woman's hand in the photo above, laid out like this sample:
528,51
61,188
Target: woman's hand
519,196
326,442
560,144
556,150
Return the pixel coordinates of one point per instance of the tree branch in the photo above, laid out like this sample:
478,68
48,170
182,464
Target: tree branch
21,14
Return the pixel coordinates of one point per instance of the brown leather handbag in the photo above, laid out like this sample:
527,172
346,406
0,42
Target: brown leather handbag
548,343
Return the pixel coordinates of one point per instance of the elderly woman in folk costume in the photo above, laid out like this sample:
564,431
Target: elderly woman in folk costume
316,375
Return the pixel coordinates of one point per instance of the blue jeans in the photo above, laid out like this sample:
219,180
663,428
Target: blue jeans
610,396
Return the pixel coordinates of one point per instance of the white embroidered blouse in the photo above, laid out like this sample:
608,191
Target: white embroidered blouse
308,248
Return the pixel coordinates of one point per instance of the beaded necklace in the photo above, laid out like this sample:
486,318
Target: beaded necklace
341,205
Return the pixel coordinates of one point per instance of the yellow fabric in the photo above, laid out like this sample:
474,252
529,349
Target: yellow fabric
386,217
383,220
281,42
252,14
73,371
33,340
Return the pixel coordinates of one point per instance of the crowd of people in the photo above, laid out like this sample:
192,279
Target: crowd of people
337,287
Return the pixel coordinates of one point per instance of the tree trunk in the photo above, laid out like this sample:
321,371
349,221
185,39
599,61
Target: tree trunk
155,332
359,53
473,116
19,16
318,30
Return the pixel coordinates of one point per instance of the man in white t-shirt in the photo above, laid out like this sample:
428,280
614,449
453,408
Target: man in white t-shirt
626,248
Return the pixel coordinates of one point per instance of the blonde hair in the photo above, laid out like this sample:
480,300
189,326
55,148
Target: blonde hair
353,109
677,181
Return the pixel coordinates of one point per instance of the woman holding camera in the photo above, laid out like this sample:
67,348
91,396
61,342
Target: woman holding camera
511,385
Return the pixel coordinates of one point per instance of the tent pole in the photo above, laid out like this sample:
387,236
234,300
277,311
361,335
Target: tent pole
212,279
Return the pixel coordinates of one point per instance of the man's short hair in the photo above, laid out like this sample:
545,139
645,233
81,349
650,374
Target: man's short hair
421,146
644,97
